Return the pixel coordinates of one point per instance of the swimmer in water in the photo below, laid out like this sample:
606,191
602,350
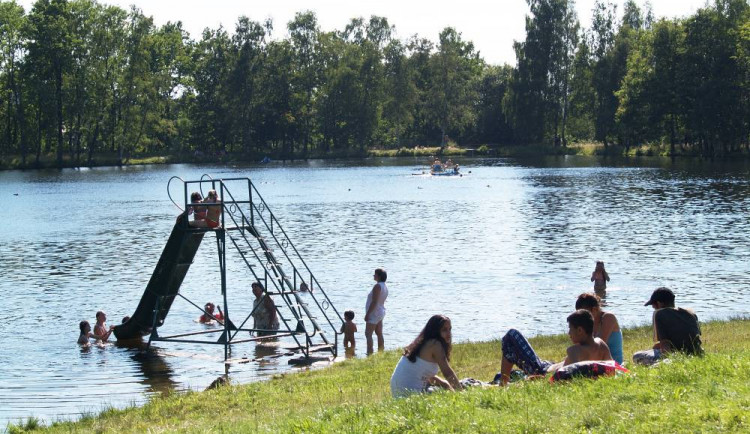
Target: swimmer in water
83,338
101,331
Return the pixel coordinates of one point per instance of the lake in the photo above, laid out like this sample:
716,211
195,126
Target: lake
510,244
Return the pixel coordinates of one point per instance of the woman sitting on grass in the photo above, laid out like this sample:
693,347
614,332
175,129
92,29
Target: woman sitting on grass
419,365
606,326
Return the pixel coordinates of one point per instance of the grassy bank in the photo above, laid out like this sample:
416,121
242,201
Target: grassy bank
689,394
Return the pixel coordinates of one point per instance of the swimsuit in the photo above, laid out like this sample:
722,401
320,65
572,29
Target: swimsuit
200,214
211,224
378,313
263,319
614,342
615,346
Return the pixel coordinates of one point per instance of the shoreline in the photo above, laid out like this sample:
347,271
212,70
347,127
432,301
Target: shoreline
354,395
13,162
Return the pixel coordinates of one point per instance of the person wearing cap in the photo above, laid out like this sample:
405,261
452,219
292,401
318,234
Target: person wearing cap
675,329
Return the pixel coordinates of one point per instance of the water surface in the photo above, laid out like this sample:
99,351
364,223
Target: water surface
509,245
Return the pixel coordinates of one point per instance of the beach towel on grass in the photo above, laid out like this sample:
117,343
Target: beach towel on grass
588,369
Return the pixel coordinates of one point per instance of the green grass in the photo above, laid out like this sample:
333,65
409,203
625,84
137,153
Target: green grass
708,394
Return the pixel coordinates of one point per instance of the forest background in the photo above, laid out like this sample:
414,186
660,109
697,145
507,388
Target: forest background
83,83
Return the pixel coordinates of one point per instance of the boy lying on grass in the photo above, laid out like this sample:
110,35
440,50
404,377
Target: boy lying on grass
517,350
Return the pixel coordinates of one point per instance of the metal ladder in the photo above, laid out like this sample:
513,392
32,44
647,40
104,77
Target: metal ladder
263,244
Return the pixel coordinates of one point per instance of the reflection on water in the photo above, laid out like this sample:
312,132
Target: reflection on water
510,245
265,354
157,374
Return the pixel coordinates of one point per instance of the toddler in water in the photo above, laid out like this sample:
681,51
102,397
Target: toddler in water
600,277
348,329
86,334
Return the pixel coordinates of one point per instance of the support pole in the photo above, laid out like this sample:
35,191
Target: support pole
154,334
221,247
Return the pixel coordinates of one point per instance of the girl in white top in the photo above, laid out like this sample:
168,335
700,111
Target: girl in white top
418,367
375,310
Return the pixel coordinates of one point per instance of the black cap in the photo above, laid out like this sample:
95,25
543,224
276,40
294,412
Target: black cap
663,295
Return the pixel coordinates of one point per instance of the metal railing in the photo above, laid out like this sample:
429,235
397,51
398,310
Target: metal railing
251,221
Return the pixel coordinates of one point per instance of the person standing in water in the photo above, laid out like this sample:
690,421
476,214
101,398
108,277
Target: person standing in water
348,329
101,331
600,277
375,310
86,334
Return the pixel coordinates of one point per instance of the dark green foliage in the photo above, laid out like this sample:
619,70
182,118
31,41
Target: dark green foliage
82,83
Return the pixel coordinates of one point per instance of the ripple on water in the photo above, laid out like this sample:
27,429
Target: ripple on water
515,254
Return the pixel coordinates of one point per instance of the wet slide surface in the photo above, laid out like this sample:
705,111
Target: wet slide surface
166,279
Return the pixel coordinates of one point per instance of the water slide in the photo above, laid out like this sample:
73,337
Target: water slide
166,279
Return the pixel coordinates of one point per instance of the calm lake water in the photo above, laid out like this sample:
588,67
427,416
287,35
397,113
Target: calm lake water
510,244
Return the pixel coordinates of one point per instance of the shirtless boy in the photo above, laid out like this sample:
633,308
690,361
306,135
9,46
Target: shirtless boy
517,350
585,345
349,328
101,331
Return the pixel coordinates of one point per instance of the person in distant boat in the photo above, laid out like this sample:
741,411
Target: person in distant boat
455,168
348,329
675,329
375,310
437,166
209,315
600,277
264,312
199,212
83,338
518,351
213,213
101,331
606,326
418,367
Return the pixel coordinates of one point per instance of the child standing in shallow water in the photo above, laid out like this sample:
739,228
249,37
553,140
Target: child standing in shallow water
101,331
600,277
348,329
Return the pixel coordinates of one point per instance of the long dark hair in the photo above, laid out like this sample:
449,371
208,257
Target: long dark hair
430,331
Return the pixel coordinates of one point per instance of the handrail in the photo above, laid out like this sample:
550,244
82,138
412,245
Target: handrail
270,264
278,272
289,241
269,226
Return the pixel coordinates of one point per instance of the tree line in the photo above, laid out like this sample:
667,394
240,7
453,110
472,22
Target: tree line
80,79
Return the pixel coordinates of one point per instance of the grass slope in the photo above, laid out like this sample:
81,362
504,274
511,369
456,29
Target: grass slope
710,394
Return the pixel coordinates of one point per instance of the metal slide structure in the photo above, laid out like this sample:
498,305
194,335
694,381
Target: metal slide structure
248,227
